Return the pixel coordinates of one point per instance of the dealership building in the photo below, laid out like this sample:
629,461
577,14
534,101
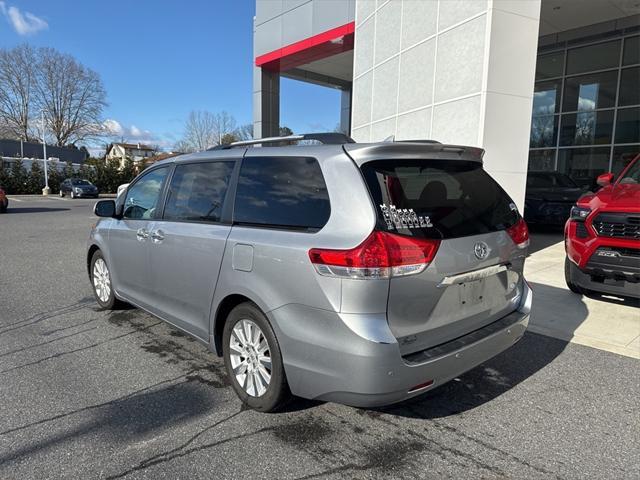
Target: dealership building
540,84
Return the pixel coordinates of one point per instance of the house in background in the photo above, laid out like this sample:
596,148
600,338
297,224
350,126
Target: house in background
136,152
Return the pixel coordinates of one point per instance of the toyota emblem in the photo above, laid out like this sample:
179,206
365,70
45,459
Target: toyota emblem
481,250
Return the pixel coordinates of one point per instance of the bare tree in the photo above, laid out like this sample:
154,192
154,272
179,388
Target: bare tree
71,95
224,124
198,132
17,81
245,132
205,129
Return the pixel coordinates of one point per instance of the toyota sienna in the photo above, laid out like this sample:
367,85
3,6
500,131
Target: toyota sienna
363,274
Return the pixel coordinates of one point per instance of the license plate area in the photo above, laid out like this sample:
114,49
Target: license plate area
471,293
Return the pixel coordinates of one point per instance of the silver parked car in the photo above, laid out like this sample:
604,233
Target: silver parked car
363,274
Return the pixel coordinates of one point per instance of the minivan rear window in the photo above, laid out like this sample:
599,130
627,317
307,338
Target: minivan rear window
437,198
282,192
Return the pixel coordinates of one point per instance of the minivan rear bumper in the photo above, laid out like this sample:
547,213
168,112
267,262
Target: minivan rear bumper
326,358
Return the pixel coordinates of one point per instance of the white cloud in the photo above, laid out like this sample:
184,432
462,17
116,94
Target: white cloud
23,23
134,134
113,127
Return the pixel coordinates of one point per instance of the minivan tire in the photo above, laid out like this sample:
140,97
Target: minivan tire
277,393
109,302
569,280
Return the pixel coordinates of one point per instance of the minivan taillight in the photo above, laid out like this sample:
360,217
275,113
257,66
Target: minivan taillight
381,255
519,233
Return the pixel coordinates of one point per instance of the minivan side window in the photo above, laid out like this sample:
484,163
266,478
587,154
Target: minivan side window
197,191
282,192
143,195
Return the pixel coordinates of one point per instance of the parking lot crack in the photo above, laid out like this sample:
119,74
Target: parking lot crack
69,352
36,345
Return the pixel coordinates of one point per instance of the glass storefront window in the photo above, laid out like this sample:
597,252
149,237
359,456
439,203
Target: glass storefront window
622,156
629,87
584,165
593,57
628,125
586,128
631,55
544,131
542,159
546,97
549,66
590,92
577,127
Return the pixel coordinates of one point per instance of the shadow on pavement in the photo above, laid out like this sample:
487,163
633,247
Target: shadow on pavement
484,383
131,418
14,210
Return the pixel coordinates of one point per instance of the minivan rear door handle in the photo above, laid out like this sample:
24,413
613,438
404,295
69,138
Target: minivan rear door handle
157,236
142,234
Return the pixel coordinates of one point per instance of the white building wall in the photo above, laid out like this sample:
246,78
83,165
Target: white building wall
457,71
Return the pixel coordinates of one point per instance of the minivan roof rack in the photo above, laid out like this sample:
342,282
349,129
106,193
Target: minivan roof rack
328,138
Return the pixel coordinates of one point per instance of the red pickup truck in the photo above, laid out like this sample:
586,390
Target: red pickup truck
602,237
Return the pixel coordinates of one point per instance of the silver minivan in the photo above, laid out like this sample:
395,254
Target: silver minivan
363,274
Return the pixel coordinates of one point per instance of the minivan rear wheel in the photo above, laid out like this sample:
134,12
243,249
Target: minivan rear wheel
253,360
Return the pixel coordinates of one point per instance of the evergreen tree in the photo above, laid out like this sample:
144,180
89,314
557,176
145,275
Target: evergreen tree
19,178
35,180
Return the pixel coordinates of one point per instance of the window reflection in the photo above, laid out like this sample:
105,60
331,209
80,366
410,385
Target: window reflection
583,165
622,156
586,128
550,65
545,98
542,159
142,196
628,125
590,92
544,131
593,57
588,96
629,87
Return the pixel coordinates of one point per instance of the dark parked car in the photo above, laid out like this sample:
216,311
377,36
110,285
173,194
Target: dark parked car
549,198
77,187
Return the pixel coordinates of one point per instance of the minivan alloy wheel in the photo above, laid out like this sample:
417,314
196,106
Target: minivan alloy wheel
250,357
101,280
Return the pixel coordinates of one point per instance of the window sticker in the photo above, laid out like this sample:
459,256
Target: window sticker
398,218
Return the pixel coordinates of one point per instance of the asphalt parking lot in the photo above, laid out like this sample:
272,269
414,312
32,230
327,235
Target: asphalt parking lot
89,394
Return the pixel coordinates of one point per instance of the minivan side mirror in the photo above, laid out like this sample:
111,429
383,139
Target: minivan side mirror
604,179
105,208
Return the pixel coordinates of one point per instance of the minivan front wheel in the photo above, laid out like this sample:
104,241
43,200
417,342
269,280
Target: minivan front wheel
253,360
101,283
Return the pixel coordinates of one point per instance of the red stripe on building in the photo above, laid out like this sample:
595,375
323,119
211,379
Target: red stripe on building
325,44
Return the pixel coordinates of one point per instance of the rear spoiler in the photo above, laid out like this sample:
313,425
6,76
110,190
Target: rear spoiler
365,152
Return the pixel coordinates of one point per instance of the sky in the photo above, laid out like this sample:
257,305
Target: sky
159,60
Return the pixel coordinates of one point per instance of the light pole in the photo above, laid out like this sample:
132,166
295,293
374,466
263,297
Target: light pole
45,190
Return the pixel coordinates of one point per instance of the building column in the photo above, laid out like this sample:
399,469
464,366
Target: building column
266,103
457,72
507,96
345,111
